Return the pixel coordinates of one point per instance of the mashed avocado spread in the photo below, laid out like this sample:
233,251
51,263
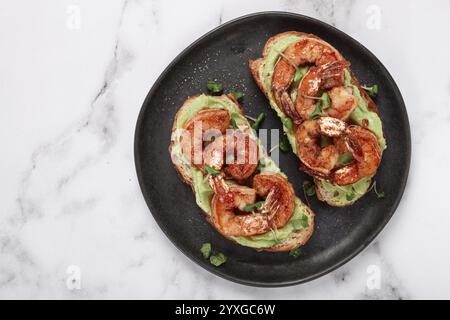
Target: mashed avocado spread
301,218
340,194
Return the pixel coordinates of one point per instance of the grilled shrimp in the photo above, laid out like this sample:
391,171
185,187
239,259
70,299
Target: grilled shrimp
342,103
276,211
323,77
320,161
206,120
306,51
237,151
279,203
363,145
226,199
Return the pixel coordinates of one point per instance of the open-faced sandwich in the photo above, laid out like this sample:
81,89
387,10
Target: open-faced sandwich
242,191
330,121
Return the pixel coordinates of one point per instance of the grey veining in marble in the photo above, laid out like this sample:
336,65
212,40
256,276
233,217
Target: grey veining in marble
73,75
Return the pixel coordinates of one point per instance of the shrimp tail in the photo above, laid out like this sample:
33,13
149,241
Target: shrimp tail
332,74
289,108
313,173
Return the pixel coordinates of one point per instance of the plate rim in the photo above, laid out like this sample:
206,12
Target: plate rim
357,251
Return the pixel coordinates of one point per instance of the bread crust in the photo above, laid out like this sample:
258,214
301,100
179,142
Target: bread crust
256,67
301,237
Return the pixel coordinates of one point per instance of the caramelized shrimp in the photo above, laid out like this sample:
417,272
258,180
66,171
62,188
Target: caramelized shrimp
195,128
237,151
315,158
342,103
279,203
306,51
319,78
276,211
228,198
363,145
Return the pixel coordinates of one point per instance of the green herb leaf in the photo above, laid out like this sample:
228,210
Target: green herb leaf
206,250
300,73
257,205
379,194
350,196
236,94
214,87
345,159
347,78
210,170
233,123
288,123
261,163
295,252
305,221
218,259
325,101
297,224
308,188
258,121
372,91
284,144
317,111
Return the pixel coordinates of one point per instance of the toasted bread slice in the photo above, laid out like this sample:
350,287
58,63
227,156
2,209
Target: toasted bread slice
294,240
256,69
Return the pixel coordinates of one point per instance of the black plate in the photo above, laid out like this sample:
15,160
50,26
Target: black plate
222,54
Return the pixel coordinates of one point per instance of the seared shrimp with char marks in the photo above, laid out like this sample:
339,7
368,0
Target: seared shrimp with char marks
280,197
342,103
236,152
325,77
306,51
276,211
195,128
227,199
364,147
317,159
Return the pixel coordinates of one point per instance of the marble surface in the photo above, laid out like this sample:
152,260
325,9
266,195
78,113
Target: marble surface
73,75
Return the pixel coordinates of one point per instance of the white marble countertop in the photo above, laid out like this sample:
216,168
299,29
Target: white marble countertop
73,75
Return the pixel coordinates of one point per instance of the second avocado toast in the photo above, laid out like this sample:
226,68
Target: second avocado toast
314,92
280,222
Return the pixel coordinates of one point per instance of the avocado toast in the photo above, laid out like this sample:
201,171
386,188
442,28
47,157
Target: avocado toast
300,93
298,223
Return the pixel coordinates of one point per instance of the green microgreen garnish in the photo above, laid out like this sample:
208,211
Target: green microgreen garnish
350,196
345,158
288,123
218,259
206,250
380,194
258,121
299,73
301,223
317,111
372,91
284,144
214,87
261,163
233,123
305,221
236,94
325,101
210,170
295,252
257,205
308,188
